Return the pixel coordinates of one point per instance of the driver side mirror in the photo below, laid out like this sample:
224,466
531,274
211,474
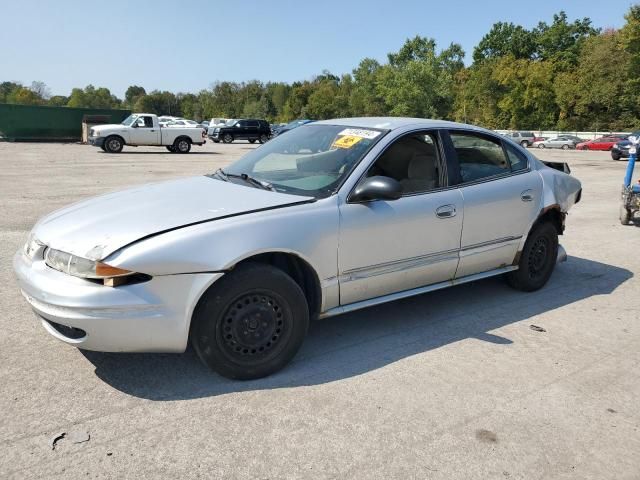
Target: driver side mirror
134,125
377,188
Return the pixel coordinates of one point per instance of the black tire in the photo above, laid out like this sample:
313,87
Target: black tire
565,147
216,141
227,138
252,140
113,144
615,156
182,145
538,259
524,144
250,323
541,145
625,215
171,148
103,148
264,138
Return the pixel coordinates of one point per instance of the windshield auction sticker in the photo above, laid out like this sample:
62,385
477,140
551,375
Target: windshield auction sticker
346,141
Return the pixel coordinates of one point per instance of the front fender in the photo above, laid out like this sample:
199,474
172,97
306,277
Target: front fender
309,231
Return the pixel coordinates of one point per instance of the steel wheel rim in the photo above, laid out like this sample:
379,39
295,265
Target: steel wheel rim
227,138
255,327
114,144
539,257
183,145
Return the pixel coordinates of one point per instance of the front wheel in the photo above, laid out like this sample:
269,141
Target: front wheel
537,260
542,145
250,323
615,156
113,144
252,140
565,147
227,138
170,148
625,215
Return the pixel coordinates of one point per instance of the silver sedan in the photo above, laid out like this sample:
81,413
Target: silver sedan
335,216
564,143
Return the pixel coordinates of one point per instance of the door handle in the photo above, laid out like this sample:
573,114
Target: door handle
153,130
446,211
527,196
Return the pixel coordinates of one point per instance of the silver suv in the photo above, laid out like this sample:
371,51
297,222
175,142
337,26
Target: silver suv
523,138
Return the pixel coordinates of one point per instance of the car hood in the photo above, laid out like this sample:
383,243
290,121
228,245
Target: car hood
108,126
97,227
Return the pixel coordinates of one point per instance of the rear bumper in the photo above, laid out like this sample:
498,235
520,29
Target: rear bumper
153,316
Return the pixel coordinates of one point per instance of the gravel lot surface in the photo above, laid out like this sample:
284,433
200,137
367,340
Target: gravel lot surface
451,384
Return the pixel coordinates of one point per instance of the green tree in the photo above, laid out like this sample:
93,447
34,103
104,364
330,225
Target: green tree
506,39
133,93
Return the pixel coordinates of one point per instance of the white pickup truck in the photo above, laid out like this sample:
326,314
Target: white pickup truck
141,129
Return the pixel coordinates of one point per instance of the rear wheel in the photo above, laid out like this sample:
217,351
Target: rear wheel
182,145
264,138
524,144
113,144
227,138
537,260
565,147
541,145
252,140
250,323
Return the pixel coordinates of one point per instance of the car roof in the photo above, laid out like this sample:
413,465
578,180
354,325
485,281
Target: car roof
393,123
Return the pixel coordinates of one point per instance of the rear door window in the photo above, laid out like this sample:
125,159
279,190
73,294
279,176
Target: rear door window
479,156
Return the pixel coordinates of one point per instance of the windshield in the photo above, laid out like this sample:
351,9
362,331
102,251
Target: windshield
129,120
311,160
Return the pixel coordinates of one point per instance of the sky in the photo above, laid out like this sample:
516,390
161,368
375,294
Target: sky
185,46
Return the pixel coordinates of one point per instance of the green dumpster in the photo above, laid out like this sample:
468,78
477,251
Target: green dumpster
39,123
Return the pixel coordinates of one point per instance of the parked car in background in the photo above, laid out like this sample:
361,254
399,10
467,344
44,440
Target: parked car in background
368,211
163,120
575,139
275,128
621,149
602,143
246,129
291,125
558,142
524,138
144,129
183,122
539,139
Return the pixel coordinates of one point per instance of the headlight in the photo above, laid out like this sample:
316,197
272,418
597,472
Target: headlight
32,246
81,267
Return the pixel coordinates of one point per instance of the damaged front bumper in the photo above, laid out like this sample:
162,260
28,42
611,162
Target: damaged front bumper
152,316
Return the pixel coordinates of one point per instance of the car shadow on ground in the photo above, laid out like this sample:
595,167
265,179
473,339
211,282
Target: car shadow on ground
352,344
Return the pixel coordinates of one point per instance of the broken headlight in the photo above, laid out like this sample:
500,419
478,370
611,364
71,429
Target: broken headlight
81,267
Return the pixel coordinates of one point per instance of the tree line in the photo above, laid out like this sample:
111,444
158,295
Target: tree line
559,75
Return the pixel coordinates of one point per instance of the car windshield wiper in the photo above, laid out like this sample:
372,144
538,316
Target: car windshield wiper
247,178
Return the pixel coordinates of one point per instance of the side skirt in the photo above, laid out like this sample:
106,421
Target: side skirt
414,291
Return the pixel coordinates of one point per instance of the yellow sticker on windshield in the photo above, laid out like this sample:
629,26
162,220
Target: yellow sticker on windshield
346,141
